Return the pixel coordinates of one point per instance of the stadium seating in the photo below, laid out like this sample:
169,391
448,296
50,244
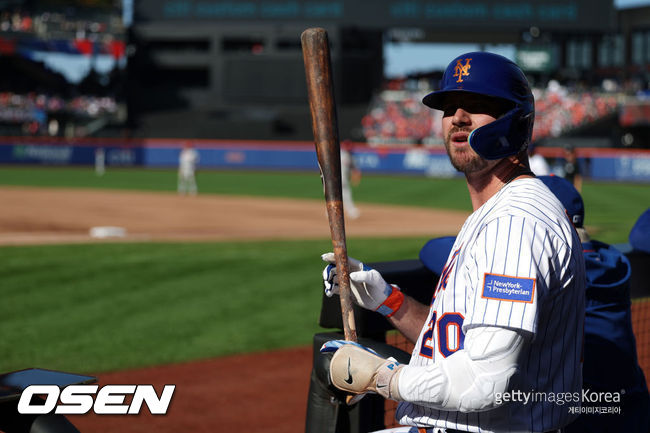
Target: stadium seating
397,116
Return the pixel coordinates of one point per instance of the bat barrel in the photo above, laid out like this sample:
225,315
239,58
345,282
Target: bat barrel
316,55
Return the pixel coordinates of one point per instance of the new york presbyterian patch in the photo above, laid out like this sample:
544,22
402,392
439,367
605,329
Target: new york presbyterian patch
507,288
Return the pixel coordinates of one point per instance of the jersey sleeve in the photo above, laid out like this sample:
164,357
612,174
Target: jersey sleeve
510,267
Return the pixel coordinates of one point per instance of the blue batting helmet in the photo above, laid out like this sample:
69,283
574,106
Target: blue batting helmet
491,75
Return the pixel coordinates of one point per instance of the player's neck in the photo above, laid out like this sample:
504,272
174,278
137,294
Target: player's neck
483,185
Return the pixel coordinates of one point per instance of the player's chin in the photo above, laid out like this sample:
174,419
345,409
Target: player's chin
465,160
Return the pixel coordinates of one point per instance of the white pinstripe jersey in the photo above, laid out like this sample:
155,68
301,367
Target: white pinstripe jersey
517,263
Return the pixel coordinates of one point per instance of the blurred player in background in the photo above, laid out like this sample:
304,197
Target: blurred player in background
187,162
538,164
350,176
610,360
571,167
100,161
506,319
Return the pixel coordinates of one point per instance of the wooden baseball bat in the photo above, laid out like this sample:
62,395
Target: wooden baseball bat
320,87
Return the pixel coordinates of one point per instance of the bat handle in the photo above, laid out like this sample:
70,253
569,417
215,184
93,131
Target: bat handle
345,292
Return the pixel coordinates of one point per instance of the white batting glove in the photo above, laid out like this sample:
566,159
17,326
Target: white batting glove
368,287
359,370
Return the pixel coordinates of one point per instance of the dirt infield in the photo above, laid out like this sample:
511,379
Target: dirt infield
264,392
37,216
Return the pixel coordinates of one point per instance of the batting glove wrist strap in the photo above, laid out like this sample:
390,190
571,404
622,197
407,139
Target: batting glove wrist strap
392,303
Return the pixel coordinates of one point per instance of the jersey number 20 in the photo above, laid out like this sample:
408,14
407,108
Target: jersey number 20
449,332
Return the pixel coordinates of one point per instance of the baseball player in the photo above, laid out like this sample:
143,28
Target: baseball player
187,161
571,167
100,161
610,344
499,348
537,162
350,174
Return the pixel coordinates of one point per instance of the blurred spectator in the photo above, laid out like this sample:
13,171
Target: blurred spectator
38,113
89,23
396,115
558,111
53,127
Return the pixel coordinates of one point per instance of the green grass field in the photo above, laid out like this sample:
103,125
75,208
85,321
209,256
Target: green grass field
100,307
413,191
93,308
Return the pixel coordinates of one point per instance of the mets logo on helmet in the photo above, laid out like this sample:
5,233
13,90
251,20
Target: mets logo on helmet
461,70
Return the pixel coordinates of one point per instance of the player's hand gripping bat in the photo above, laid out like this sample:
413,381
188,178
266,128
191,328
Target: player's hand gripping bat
320,87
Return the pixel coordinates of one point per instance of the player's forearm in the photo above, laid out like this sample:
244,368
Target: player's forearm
468,380
409,318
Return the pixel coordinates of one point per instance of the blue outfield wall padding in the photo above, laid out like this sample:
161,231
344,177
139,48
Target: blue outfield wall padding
237,157
632,168
39,153
609,165
162,157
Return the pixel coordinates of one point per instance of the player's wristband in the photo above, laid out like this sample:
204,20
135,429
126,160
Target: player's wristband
392,303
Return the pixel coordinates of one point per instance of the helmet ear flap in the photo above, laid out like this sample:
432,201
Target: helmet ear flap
526,123
506,136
